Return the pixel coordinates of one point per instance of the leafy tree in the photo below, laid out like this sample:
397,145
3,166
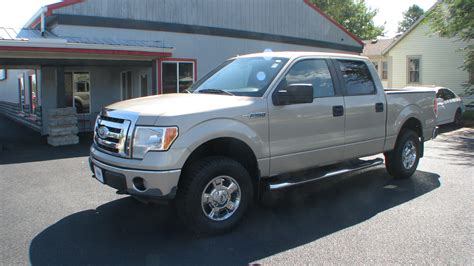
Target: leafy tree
354,15
455,19
409,17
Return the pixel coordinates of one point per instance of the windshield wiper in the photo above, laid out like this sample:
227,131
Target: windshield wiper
187,91
216,91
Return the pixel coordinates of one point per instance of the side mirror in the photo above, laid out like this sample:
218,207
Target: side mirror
294,94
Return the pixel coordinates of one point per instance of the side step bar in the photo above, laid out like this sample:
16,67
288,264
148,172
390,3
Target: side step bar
321,173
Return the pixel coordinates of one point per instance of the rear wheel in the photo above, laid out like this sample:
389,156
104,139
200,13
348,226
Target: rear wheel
403,160
458,118
213,195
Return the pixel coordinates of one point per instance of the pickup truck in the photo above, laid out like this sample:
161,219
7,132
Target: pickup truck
258,123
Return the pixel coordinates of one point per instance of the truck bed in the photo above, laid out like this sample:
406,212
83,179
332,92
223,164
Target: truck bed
401,103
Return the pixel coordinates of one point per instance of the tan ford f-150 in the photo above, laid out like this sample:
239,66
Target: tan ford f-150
256,123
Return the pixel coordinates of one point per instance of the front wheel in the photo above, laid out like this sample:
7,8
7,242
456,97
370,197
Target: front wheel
213,195
403,160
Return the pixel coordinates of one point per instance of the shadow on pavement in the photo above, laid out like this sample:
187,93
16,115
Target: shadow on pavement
127,232
457,148
20,144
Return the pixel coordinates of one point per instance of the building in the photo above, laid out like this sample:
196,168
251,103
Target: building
86,54
422,58
374,49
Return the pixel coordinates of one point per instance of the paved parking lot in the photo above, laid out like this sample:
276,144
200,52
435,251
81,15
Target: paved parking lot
53,212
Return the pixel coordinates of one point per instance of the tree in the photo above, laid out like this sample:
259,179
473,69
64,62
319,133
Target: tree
354,15
455,19
409,17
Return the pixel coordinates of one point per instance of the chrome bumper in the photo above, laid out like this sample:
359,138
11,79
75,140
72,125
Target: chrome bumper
142,183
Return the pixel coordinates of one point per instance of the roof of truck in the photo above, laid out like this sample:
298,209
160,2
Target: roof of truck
294,54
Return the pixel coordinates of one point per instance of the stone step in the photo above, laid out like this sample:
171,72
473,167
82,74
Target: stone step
63,140
68,111
63,121
63,130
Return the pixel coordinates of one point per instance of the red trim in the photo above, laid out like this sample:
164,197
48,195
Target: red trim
317,9
170,59
84,51
52,7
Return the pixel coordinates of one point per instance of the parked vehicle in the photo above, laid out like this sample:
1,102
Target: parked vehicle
450,107
256,123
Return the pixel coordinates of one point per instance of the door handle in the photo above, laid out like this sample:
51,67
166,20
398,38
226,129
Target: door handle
337,110
379,107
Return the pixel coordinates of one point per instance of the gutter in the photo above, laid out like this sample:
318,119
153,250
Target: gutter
40,16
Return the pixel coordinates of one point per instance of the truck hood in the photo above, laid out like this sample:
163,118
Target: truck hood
180,104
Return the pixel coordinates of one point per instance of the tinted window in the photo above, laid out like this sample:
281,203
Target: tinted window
357,77
314,72
448,95
440,94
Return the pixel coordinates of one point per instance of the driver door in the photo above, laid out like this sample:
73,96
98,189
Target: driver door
312,134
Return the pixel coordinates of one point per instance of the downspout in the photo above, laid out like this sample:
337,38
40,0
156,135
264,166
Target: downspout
43,20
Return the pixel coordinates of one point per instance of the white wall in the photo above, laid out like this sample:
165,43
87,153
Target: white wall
440,60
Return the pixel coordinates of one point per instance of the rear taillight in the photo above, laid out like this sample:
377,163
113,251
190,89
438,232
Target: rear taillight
436,106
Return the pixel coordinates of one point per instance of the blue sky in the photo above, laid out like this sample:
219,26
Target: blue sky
15,13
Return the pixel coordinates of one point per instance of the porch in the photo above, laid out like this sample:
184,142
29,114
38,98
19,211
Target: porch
47,77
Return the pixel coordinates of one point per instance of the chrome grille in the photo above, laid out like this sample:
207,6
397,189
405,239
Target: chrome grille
110,135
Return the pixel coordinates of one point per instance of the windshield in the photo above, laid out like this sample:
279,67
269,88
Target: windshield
242,76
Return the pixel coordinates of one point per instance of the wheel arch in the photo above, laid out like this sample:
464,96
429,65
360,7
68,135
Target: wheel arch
230,147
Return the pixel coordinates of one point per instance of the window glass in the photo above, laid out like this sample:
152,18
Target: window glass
448,94
186,76
357,77
440,94
246,76
314,72
384,70
414,70
170,77
81,90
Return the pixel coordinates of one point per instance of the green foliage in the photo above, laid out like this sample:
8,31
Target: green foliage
455,19
409,17
354,15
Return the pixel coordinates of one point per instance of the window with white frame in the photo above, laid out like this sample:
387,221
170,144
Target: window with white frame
414,69
384,70
177,76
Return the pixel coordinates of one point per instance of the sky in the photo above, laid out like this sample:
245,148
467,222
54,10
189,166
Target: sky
15,13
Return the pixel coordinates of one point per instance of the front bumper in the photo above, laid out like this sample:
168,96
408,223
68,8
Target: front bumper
155,184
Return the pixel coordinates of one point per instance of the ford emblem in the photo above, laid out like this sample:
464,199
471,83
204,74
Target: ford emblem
103,132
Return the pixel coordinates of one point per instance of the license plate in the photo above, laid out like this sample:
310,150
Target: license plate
98,174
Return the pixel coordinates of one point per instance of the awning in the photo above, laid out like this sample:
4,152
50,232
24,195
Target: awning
31,43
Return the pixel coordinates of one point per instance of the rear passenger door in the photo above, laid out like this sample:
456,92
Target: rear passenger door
364,107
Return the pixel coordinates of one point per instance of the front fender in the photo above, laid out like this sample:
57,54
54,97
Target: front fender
255,137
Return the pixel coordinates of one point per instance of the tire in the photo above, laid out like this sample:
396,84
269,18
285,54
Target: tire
457,122
79,108
206,186
403,166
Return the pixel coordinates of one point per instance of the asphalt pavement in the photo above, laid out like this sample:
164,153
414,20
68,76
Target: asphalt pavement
53,212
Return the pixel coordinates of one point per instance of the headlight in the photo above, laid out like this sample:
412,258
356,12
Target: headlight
153,139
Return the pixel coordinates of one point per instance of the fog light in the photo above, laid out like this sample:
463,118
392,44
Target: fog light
139,184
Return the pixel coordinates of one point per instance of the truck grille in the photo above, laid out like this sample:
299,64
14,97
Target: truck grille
110,135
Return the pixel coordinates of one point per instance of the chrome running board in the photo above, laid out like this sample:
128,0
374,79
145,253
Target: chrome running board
280,182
